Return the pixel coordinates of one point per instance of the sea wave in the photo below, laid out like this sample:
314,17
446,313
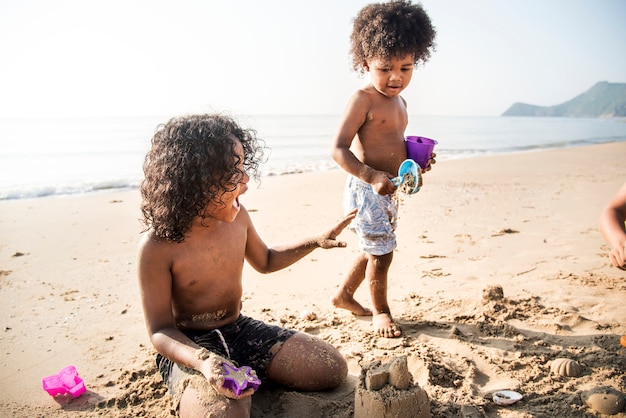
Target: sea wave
38,191
63,157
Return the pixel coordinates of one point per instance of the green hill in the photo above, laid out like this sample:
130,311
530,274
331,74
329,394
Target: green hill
603,100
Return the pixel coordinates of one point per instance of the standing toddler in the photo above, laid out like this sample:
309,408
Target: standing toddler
388,41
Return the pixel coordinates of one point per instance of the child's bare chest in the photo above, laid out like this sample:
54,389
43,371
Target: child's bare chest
211,256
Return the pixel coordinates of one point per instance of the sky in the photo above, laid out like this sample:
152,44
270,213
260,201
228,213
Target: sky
67,58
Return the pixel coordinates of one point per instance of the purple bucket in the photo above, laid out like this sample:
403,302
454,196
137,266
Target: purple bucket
419,149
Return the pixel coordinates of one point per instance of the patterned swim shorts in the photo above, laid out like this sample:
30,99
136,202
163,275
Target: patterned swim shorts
376,220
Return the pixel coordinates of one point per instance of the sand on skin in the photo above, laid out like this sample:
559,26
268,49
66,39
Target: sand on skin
526,222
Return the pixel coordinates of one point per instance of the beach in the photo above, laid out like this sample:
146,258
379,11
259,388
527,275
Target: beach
525,223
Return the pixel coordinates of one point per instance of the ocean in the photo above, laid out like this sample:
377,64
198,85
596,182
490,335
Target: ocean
48,157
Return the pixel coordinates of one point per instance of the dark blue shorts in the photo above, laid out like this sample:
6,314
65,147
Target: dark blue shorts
246,342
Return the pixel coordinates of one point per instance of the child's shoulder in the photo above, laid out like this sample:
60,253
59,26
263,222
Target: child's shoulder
150,244
369,97
149,240
367,91
364,96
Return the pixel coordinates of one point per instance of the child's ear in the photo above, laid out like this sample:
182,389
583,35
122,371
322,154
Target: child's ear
366,67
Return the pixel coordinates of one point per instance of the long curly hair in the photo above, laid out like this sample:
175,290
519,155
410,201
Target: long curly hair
192,162
391,30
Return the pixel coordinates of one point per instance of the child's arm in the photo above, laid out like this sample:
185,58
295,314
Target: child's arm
354,117
267,260
155,282
612,226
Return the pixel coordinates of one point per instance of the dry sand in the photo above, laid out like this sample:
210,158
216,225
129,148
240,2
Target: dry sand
526,223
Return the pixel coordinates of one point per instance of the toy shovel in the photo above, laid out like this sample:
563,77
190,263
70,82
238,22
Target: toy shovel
409,177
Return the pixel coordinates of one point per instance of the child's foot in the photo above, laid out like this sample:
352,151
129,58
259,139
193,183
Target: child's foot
351,305
384,326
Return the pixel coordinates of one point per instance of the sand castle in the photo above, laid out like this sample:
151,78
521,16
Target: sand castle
387,390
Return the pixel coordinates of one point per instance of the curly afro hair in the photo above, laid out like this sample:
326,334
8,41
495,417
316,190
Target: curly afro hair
391,30
193,161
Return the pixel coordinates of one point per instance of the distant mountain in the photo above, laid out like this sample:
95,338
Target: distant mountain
603,100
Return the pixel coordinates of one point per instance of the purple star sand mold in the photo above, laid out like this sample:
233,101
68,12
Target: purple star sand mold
238,379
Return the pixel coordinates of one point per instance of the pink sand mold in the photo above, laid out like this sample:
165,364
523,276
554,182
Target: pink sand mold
67,381
238,379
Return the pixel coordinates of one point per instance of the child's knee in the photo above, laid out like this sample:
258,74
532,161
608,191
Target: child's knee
308,363
199,399
339,372
332,368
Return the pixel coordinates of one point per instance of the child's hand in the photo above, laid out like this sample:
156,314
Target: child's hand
431,161
328,240
381,183
618,255
214,374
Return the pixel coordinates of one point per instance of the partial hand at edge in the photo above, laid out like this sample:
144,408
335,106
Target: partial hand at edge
431,161
618,256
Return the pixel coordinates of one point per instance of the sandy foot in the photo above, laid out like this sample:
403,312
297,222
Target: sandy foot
351,305
384,326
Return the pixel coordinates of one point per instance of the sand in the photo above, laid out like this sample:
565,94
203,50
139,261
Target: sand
500,269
